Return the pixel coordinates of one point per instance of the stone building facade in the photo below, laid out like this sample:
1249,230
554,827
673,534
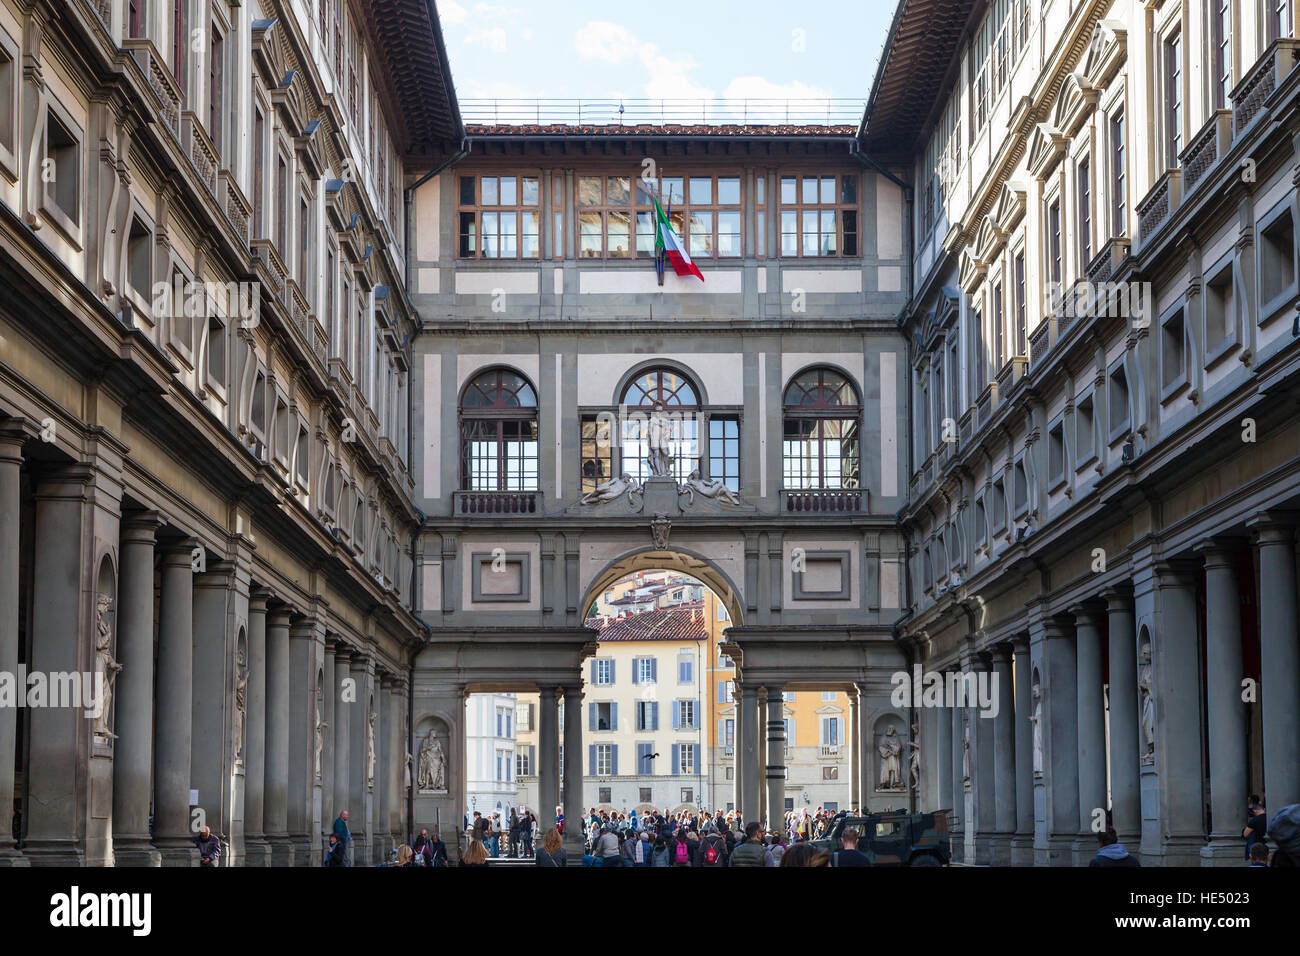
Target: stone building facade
1103,468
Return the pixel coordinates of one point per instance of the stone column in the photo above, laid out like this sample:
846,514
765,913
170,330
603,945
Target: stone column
748,749
133,749
276,802
343,710
1092,730
1060,733
359,751
775,756
573,808
211,691
1225,710
939,757
11,459
1022,843
171,827
1125,802
378,839
257,852
1004,758
984,787
1279,659
400,746
959,783
548,744
328,695
853,739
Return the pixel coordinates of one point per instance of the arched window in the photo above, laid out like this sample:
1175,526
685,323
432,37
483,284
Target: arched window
674,394
499,450
820,447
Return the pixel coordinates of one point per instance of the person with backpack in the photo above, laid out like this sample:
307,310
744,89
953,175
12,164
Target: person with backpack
775,850
849,854
750,852
1256,823
334,856
422,852
713,848
681,852
606,849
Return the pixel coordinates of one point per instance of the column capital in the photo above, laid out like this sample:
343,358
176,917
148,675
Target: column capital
1219,552
1001,653
1020,643
1176,573
1118,597
1085,615
1272,527
178,552
278,616
547,693
139,527
14,433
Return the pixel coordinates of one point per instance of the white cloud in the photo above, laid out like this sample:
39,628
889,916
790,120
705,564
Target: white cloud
758,88
602,40
449,11
489,38
670,77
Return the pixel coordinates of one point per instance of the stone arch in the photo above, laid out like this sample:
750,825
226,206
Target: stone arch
678,559
831,366
633,372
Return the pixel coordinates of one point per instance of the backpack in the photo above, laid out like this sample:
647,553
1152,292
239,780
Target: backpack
1284,829
711,855
419,859
682,853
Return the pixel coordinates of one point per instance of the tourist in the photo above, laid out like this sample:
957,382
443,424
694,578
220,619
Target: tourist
209,847
804,854
334,856
345,836
529,828
479,828
849,854
551,852
713,848
494,834
605,848
681,851
1112,852
423,850
1256,823
641,849
1259,855
405,856
750,852
476,854
659,852
775,850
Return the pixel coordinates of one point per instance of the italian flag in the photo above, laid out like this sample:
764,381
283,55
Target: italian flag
667,244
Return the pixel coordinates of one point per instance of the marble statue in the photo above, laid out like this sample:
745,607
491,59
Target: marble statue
106,668
431,775
914,759
611,490
659,432
1147,711
891,749
320,735
1036,719
241,686
370,749
965,755
407,772
707,488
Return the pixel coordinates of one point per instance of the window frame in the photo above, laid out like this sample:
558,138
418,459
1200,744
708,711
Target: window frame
501,414
1170,387
800,207
480,210
817,413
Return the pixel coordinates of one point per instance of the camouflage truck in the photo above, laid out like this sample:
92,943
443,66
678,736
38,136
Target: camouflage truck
895,838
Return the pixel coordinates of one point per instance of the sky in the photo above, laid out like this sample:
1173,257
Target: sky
674,49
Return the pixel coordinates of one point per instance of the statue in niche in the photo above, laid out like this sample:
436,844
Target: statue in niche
1147,710
706,488
241,691
106,668
407,771
1036,719
432,765
965,756
891,751
914,758
370,749
611,490
659,433
320,734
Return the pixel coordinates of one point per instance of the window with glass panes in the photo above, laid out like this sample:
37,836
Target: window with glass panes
1054,241
1221,30
820,445
704,211
819,215
679,399
1021,323
1084,196
1173,98
499,434
724,450
557,216
1118,177
686,765
604,217
500,217
597,457
760,214
999,355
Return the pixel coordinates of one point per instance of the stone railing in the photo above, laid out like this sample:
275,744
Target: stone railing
1040,343
238,209
1206,147
203,155
1159,203
1011,373
296,303
319,340
986,403
497,502
964,426
268,260
824,500
1258,85
161,81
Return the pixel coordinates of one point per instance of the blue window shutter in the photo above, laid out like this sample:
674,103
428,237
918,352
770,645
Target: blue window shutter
591,716
695,715
591,759
613,716
532,759
675,759
722,691
593,671
654,669
722,733
642,765
654,715
613,761
611,671
636,670
677,713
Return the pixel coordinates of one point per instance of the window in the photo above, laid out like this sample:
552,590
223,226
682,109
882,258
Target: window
1084,446
499,439
1220,312
603,716
1056,453
831,773
646,671
999,505
1117,400
686,714
830,732
136,18
1173,352
604,217
604,793
979,81
820,433
668,391
216,351
1022,322
1054,242
524,718
1278,14
258,409
1118,178
787,696
999,353
557,216
259,163
500,217
1173,97
981,522
180,40
63,184
760,214
1221,37
954,376
139,258
647,715
828,696
604,762
730,775
1084,196
597,459
1276,259
724,692
724,450
282,206
645,794
819,215
524,762
686,765
1020,488
685,670
604,670
216,89
727,733
979,344
304,243
280,431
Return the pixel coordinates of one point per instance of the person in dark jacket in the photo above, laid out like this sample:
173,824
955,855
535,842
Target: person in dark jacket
334,855
551,851
751,851
209,847
849,854
678,857
1112,852
343,833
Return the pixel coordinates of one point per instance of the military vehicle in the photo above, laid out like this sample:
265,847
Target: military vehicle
894,838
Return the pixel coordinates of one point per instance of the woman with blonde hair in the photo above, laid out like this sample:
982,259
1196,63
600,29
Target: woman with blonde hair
551,852
476,854
404,855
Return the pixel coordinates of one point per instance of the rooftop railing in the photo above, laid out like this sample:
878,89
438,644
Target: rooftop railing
663,112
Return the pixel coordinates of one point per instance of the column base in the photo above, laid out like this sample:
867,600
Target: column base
1178,851
1224,851
1022,849
186,855
302,852
1084,848
957,845
1059,851
11,856
281,852
1000,849
135,851
54,853
573,849
257,853
983,849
